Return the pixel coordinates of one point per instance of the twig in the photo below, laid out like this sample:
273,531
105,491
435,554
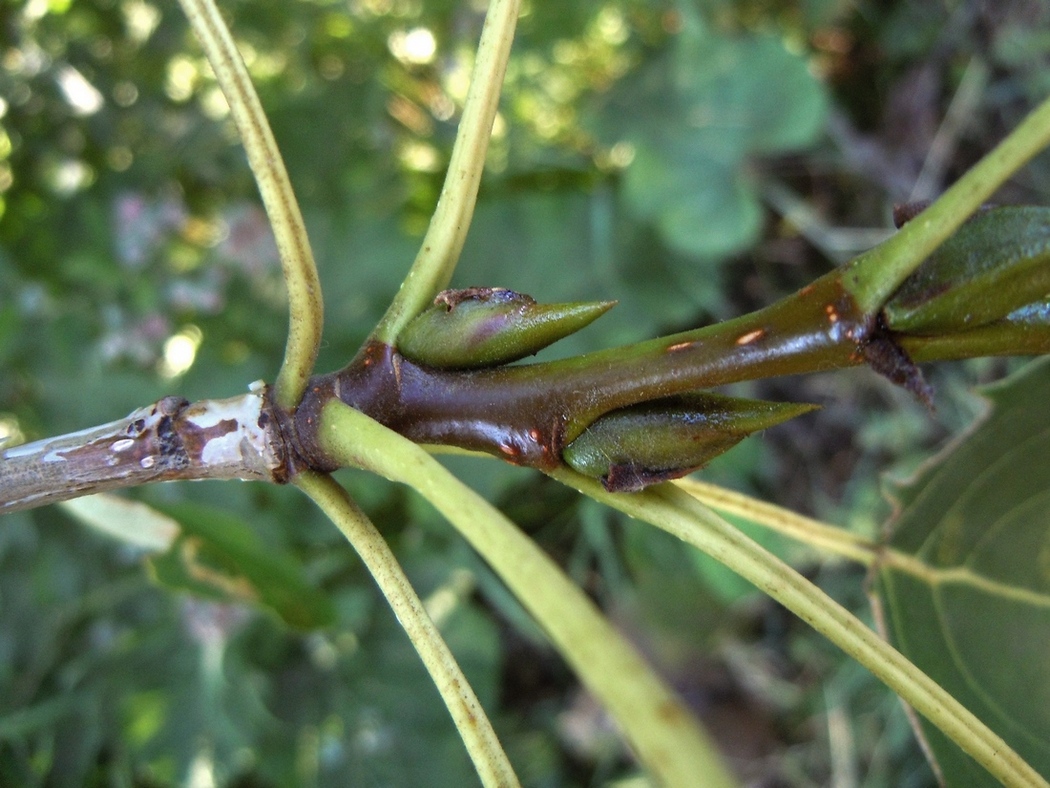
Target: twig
232,438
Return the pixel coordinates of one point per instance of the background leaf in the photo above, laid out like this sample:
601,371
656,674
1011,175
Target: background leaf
132,522
219,556
694,116
976,616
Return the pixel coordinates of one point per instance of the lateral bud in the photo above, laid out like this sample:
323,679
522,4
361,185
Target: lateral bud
996,264
634,447
489,326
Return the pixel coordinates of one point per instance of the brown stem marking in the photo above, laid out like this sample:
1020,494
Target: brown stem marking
234,438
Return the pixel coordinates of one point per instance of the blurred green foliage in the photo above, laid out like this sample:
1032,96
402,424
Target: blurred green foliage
690,118
630,159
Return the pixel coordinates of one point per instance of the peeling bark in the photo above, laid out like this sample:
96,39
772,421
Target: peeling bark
235,438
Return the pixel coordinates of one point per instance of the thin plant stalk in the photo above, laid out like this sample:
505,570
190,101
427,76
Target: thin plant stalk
474,727
306,309
874,276
437,258
813,533
673,510
661,731
833,540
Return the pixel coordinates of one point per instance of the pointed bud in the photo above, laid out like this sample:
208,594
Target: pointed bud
997,263
1024,332
631,448
486,327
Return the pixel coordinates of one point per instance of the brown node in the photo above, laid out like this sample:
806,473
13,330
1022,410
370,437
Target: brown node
884,355
906,211
170,445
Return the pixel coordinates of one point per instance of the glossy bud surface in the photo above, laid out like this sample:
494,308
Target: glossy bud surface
633,447
485,327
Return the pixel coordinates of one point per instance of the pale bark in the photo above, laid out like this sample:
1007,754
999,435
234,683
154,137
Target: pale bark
236,438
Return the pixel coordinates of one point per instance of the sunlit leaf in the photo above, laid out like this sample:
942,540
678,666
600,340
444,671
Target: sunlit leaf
130,521
966,584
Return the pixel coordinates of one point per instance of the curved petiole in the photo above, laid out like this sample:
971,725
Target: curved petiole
447,232
676,512
813,533
663,734
470,719
832,540
306,310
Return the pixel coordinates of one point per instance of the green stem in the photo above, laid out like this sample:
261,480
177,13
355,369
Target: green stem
447,232
306,310
661,731
528,413
676,512
470,719
875,275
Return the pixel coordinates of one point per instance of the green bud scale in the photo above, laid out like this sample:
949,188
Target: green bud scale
633,447
489,326
996,264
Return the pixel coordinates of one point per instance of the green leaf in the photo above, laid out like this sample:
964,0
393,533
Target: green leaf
219,556
702,206
966,579
694,116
